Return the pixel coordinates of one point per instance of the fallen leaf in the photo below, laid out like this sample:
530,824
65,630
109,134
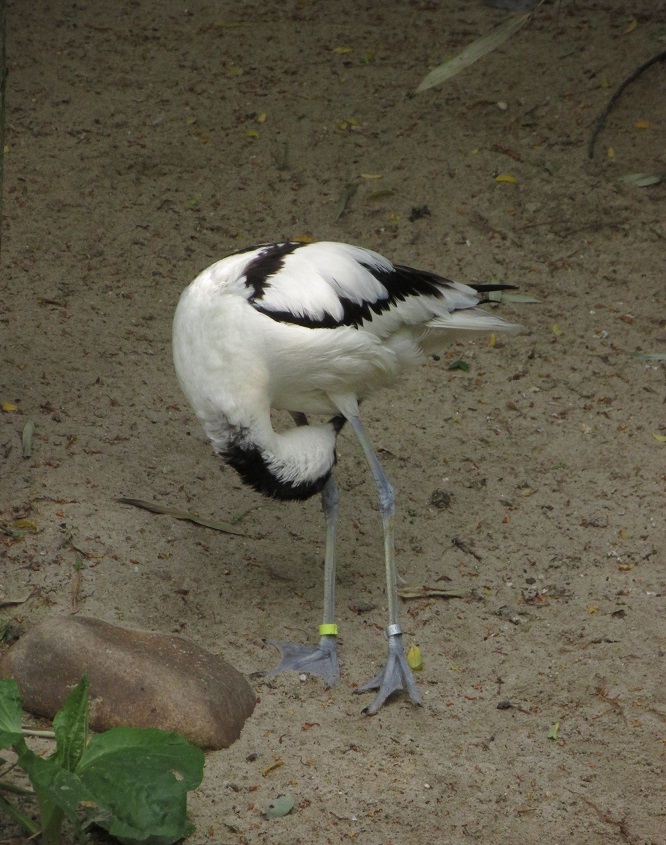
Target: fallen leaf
505,296
506,177
347,123
414,658
424,591
474,51
225,527
346,196
557,331
28,430
25,525
643,180
630,27
274,765
6,600
376,196
280,807
8,407
642,124
552,733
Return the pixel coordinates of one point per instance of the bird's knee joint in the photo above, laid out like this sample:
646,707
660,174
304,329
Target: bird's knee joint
387,501
330,496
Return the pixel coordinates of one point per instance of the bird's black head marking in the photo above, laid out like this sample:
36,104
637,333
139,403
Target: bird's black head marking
253,467
267,264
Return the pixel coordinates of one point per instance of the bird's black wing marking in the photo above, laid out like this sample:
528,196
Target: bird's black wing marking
307,320
269,261
399,282
402,282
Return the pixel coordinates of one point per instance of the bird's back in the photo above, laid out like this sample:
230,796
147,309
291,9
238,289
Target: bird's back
295,322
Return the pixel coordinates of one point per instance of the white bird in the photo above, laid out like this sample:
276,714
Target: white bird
313,328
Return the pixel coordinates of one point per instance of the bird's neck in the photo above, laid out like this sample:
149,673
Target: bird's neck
294,464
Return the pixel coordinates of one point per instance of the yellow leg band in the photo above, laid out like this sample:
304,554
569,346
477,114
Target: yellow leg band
328,630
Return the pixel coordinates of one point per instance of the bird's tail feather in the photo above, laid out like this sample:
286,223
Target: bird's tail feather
489,288
473,320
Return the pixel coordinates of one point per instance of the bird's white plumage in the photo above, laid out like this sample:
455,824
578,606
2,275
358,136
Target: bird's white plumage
312,328
315,280
248,338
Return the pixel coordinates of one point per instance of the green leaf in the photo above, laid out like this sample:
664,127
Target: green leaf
71,727
25,821
140,777
133,782
10,713
459,365
54,785
474,51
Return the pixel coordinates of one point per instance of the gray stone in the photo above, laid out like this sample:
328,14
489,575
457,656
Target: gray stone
137,679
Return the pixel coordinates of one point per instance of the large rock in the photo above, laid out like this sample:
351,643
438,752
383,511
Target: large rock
137,678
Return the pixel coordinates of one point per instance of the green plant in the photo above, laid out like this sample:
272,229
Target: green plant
133,782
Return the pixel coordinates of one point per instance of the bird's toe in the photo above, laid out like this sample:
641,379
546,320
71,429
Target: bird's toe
394,677
318,660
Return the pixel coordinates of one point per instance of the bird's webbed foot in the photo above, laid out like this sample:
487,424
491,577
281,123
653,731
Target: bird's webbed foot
396,675
321,660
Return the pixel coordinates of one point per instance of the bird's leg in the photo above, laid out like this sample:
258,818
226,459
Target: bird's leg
396,674
319,660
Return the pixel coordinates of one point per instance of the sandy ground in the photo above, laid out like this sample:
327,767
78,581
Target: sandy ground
147,139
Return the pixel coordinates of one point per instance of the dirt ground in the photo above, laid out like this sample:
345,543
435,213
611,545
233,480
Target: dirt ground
146,140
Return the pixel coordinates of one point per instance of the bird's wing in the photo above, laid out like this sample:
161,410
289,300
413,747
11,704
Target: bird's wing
328,285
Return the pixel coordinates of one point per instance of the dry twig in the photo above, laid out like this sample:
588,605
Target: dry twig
616,96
